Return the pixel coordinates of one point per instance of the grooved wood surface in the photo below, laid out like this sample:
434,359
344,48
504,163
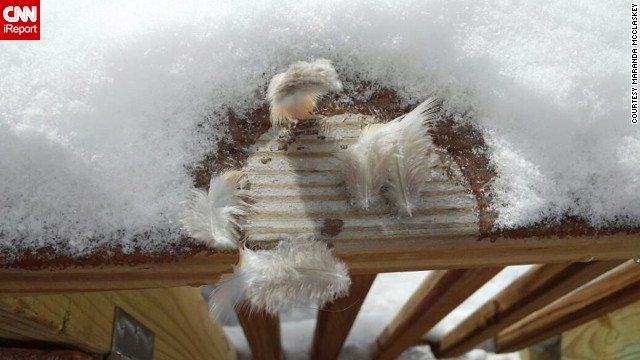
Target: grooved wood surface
299,190
178,317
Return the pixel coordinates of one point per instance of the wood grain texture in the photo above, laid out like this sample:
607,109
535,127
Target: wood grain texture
615,336
42,354
262,332
615,289
190,270
427,249
539,287
178,317
335,319
440,293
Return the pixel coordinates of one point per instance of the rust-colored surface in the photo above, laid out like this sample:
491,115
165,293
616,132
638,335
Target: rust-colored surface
48,258
37,354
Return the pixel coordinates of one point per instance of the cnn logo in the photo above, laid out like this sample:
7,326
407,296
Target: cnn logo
15,13
20,20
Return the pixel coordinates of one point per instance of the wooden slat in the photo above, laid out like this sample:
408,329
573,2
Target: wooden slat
262,332
538,287
612,336
42,354
613,290
413,253
131,272
335,319
461,248
437,296
178,317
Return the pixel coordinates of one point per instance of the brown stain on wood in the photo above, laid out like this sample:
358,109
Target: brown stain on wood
331,227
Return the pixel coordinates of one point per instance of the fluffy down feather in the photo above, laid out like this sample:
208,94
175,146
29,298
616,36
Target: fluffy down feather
293,94
300,271
364,166
212,217
393,154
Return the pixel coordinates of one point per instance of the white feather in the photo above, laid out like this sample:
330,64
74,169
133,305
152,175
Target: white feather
364,165
212,217
393,154
293,94
408,164
300,271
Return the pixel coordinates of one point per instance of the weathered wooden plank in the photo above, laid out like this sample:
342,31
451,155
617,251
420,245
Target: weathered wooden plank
462,247
188,270
538,287
42,354
612,336
335,319
178,317
262,332
464,250
437,296
617,288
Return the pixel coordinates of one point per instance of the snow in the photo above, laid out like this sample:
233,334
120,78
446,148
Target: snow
101,118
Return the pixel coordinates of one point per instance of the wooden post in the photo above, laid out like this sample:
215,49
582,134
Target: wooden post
437,296
262,332
539,287
178,317
617,288
335,319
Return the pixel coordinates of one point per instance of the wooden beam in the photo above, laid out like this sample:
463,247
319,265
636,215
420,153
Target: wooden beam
178,317
66,275
463,252
367,256
262,332
43,354
335,319
617,288
440,293
538,287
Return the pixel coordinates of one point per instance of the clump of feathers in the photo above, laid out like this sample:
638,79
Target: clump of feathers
212,217
294,93
299,271
392,157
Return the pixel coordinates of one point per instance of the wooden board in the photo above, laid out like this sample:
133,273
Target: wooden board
615,336
538,287
178,317
335,319
299,191
613,290
439,294
262,332
444,235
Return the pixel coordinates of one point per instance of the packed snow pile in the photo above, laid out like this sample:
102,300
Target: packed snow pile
101,118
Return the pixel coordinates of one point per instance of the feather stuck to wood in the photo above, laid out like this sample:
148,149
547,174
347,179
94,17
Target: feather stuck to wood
408,164
391,156
364,165
212,217
301,271
293,94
